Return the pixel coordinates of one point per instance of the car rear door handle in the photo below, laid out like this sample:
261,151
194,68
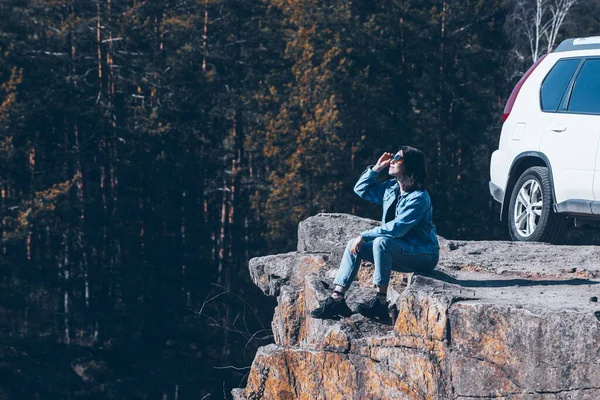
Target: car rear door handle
558,128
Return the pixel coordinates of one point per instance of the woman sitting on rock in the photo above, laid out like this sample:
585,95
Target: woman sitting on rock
406,241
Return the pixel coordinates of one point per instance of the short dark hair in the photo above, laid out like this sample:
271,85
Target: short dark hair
415,174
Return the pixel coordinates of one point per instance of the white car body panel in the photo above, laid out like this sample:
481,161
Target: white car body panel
569,142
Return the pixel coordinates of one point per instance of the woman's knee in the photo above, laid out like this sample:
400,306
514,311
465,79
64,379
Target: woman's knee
349,244
349,247
381,243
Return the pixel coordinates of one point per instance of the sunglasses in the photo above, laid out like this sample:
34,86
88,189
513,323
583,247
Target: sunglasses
396,159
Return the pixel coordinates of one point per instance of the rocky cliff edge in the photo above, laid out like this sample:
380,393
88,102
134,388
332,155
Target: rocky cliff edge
499,320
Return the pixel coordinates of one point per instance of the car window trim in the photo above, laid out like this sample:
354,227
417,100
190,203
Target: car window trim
563,108
566,87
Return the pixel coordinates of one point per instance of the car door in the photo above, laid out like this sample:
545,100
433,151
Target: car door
572,136
583,106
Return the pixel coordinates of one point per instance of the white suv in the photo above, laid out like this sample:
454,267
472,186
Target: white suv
547,166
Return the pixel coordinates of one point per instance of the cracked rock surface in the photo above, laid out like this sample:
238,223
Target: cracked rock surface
499,320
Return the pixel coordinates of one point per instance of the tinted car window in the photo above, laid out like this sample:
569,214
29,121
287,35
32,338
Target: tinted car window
556,82
586,92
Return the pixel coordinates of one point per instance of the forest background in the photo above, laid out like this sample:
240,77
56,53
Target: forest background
149,149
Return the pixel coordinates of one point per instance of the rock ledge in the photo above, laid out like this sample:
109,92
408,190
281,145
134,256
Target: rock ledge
495,320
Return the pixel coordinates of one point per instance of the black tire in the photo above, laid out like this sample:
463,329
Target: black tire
550,225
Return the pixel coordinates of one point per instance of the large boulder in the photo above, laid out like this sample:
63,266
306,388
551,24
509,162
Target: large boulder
494,320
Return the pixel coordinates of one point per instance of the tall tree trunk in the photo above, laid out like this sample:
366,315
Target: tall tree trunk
31,194
402,49
183,252
222,239
441,97
102,261
4,219
65,270
64,263
201,200
112,148
65,267
78,172
238,207
205,36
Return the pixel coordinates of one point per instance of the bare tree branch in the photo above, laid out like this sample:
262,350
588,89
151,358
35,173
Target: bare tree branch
534,25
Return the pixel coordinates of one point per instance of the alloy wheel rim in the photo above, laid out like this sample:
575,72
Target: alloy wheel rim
528,208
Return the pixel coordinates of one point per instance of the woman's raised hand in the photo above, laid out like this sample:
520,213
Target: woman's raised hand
383,162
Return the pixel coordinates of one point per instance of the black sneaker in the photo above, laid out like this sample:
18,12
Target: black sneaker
331,309
376,308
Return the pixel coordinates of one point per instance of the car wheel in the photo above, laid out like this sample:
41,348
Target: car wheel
531,217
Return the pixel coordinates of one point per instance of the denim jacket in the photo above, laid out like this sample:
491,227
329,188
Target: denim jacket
412,223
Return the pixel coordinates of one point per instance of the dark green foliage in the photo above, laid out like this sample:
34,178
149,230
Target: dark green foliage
143,164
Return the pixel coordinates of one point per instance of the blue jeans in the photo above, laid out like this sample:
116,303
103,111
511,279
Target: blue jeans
387,254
